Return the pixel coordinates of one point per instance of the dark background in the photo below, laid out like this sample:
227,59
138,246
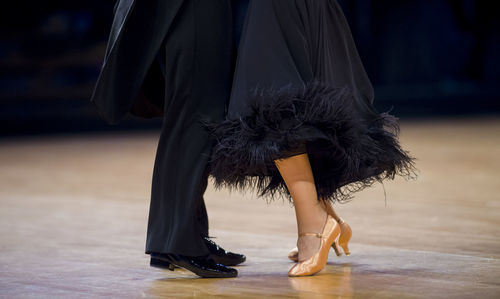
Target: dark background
426,58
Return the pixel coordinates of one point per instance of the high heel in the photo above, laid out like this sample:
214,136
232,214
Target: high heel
345,236
314,264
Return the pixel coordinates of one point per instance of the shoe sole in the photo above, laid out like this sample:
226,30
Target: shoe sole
158,263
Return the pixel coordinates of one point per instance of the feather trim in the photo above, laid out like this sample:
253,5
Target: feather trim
348,151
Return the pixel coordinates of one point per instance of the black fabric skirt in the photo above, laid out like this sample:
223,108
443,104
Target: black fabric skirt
300,87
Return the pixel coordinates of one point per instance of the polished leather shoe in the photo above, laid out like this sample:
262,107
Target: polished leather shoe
158,262
203,266
222,256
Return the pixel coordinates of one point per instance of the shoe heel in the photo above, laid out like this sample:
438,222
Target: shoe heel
293,255
161,264
335,246
345,236
336,249
318,261
345,248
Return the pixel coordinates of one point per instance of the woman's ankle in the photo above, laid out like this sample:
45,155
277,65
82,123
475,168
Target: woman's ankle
313,222
308,245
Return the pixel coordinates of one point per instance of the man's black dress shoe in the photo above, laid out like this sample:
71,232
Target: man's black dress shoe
222,256
203,266
160,263
218,253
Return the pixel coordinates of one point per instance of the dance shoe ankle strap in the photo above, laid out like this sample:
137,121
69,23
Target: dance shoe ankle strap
319,235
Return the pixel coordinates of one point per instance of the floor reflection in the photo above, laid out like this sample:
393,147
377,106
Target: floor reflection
333,280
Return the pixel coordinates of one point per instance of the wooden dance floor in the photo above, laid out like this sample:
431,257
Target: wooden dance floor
73,217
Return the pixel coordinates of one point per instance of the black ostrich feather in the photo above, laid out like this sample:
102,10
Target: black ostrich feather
348,150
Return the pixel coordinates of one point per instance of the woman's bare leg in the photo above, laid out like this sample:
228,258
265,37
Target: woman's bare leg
311,216
329,209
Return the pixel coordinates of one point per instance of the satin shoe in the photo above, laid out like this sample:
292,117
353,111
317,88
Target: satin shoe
314,264
345,236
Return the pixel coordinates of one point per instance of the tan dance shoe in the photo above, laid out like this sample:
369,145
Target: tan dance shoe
345,236
314,264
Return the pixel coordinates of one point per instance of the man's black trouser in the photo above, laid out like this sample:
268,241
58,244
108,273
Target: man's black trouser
197,57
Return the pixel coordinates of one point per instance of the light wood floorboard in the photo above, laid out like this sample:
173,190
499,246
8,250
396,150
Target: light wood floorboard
73,216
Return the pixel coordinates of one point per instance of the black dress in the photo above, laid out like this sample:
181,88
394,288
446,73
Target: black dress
299,87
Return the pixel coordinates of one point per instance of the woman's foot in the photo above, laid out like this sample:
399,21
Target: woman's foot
317,261
345,234
308,244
